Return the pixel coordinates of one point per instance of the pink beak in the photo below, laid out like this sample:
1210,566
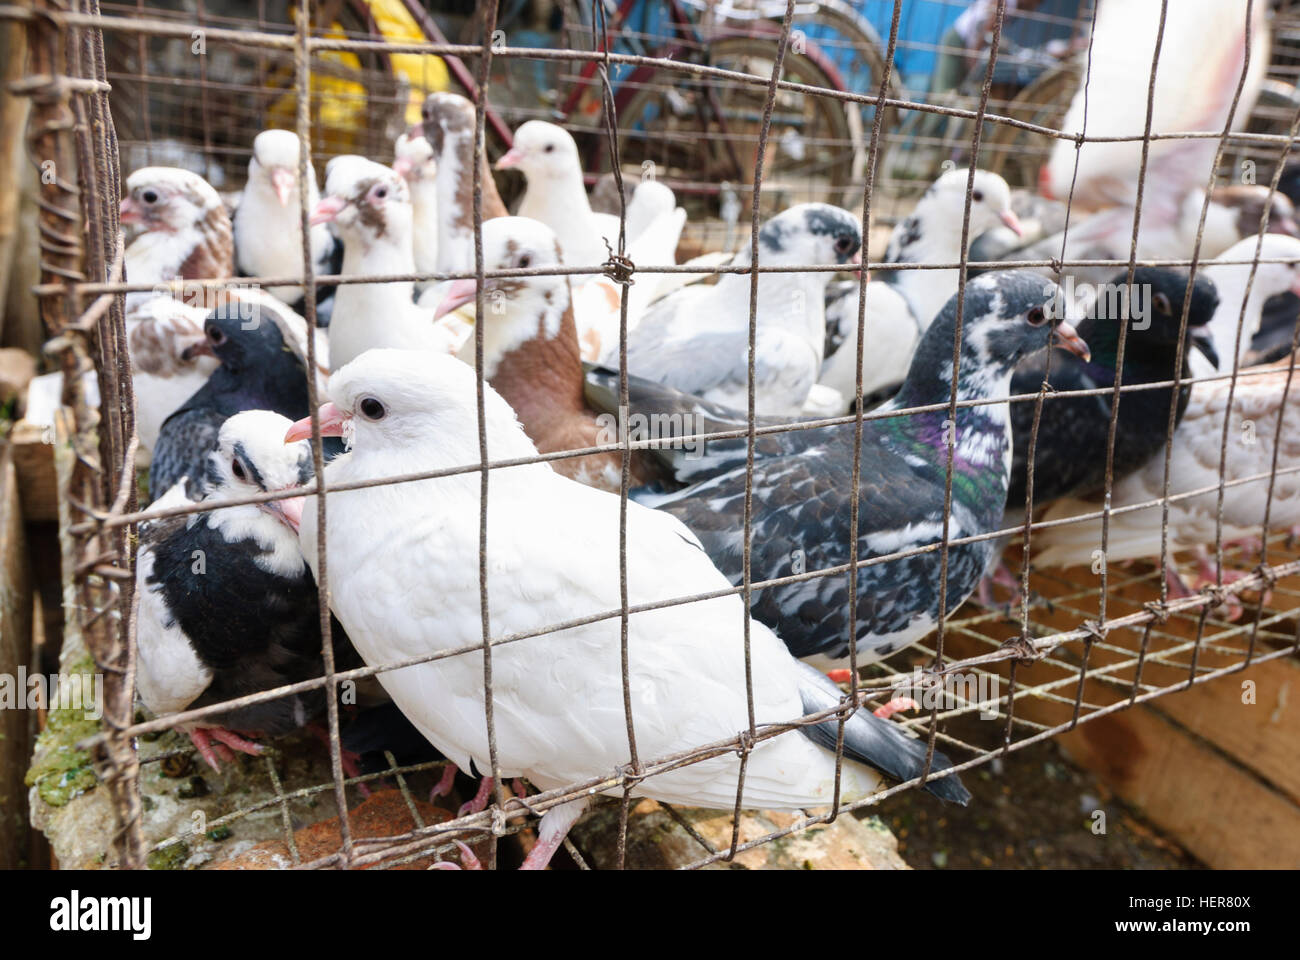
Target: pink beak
327,208
403,167
460,292
283,181
131,212
332,421
512,158
288,511
1067,338
1012,221
1295,287
1045,183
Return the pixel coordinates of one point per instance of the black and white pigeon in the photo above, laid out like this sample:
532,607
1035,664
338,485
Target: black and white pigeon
228,606
802,481
268,221
258,371
404,583
1070,456
696,339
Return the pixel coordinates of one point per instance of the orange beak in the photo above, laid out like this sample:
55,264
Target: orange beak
283,182
327,208
332,422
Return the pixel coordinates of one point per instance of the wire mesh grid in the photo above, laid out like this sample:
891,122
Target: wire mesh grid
1098,647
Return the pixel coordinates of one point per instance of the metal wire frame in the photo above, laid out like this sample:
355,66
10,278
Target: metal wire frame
111,518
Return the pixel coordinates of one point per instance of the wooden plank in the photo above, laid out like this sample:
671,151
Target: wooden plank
1216,810
15,647
33,456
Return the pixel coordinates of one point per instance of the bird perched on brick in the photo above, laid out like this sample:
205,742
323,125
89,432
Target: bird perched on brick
182,231
228,607
268,220
404,586
696,338
803,480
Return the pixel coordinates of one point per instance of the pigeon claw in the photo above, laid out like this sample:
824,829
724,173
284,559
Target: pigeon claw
467,859
212,742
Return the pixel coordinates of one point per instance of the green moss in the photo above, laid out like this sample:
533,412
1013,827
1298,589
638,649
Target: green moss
62,771
169,857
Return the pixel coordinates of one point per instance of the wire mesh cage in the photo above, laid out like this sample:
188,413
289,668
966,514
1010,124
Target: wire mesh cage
743,109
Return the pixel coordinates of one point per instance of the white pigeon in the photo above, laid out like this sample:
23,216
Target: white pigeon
1230,281
405,583
697,338
1194,464
268,222
370,206
168,362
182,230
416,164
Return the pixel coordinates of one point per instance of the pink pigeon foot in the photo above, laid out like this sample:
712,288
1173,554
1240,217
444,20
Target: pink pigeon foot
467,859
211,741
897,705
555,826
350,759
480,800
520,788
445,783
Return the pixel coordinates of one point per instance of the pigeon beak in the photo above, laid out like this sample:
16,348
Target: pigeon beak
1012,221
1045,183
131,211
288,511
1295,284
1283,225
1067,338
459,293
283,181
327,208
512,158
332,422
403,167
1201,337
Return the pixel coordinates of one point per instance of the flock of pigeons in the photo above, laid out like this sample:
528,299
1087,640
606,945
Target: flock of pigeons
228,601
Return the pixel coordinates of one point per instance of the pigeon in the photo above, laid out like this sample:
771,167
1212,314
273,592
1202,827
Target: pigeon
1036,217
531,354
1270,279
696,339
1194,464
168,363
417,165
405,584
228,606
448,123
370,206
258,371
182,230
902,303
268,221
802,479
1070,456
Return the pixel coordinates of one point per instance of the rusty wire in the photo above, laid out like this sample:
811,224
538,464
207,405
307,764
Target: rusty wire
106,501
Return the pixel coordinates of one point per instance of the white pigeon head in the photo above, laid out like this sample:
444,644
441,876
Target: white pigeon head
167,199
252,457
447,116
542,151
275,163
517,309
809,233
944,203
365,201
1270,278
415,160
416,408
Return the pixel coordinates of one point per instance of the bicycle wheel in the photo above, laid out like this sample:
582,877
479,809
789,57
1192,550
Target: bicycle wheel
1018,154
701,133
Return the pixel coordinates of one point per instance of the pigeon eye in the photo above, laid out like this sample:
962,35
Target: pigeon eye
237,469
842,244
549,148
381,192
525,261
149,196
216,336
1036,317
977,195
372,409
